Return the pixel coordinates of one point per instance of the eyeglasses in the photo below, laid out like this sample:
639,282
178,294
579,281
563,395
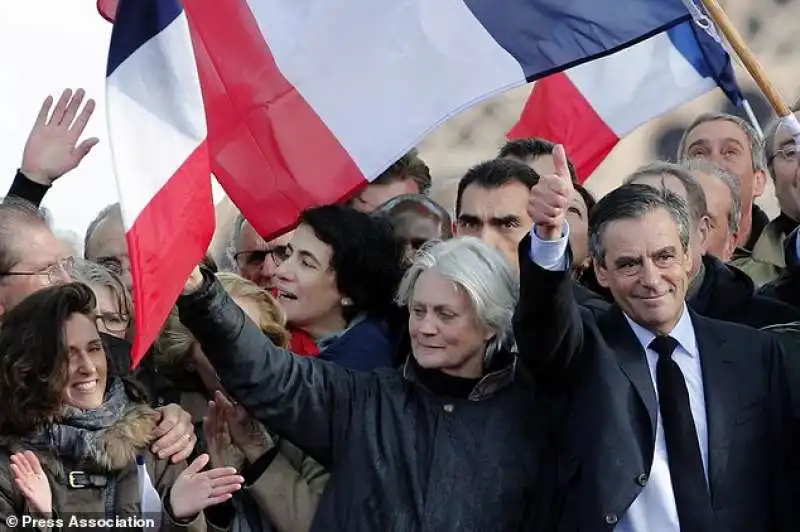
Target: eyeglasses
56,273
788,153
257,258
114,321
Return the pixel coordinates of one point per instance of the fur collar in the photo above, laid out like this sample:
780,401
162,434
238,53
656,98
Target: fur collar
124,440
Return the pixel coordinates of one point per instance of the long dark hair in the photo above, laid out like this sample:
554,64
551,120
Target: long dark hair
34,356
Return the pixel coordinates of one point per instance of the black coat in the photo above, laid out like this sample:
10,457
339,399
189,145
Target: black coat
400,457
595,364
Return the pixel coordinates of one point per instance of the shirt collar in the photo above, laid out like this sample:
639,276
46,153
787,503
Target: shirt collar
683,332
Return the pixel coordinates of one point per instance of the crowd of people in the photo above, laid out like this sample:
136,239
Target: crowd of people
541,360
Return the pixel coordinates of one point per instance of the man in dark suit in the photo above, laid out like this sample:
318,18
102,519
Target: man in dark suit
671,421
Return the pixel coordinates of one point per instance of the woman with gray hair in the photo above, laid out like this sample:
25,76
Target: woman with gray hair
451,441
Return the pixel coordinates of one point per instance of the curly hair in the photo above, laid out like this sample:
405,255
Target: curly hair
34,367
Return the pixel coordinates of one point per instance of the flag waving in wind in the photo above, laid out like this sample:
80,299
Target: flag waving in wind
590,107
307,101
157,133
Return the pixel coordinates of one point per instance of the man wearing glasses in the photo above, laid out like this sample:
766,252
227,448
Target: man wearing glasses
256,259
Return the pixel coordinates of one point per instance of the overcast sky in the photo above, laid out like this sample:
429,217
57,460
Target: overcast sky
46,46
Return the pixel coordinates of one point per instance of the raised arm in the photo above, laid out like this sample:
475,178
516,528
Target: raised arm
310,402
547,323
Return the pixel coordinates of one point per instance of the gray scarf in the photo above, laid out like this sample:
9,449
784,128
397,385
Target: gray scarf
77,433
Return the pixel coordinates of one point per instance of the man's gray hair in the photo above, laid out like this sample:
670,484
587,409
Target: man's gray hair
110,210
235,240
94,275
756,147
481,271
632,202
729,180
696,196
770,132
16,214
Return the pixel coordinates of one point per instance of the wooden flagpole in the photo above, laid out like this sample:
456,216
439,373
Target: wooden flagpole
747,58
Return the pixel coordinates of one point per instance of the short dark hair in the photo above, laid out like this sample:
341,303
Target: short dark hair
409,166
630,202
533,148
587,196
34,366
16,213
365,256
399,208
696,196
496,173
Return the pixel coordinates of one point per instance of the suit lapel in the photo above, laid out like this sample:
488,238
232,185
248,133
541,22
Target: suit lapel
721,394
632,360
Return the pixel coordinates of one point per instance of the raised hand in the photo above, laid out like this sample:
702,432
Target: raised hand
52,148
194,490
247,434
32,482
218,438
549,199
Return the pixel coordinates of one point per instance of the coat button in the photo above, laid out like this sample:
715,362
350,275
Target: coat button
642,479
611,519
448,408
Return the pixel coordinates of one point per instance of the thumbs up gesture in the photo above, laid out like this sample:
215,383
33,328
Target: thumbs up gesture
549,199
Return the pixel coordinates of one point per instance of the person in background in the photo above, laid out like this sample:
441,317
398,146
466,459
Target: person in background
114,303
732,143
256,259
716,290
723,200
75,437
653,393
416,219
409,175
453,441
338,282
105,243
536,153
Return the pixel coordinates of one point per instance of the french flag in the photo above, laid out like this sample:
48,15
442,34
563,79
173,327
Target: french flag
157,133
306,101
590,107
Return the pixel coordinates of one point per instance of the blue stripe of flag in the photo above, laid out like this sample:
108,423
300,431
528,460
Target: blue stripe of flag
137,22
547,36
708,58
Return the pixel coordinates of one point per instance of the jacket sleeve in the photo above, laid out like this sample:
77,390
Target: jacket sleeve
24,188
310,402
547,322
166,473
289,490
14,506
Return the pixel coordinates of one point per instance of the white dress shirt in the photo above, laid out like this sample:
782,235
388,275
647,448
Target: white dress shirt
654,508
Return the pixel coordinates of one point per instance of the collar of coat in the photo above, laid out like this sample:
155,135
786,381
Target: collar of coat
500,375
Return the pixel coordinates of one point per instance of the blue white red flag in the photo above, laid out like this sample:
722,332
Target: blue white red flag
590,107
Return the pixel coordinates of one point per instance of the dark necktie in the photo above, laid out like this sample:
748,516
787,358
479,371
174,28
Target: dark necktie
683,450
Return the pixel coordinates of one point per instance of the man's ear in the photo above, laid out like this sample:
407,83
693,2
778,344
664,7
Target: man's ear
703,231
759,183
601,273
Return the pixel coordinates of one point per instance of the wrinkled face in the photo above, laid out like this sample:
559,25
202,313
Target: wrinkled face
719,199
86,384
258,260
725,144
375,195
108,242
111,318
698,242
445,331
498,216
306,285
39,251
785,168
646,269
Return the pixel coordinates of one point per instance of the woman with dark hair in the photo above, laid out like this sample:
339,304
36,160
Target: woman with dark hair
75,440
338,282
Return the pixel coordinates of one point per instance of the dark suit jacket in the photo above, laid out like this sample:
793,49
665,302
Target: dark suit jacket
594,364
